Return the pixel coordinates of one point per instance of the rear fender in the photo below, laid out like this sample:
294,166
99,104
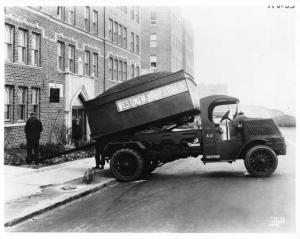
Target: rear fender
110,148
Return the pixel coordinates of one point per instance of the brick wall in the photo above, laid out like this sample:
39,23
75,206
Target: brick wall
170,39
162,28
44,20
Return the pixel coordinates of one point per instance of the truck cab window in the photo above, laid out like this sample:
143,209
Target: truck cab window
222,115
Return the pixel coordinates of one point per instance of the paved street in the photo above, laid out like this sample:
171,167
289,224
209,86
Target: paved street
185,196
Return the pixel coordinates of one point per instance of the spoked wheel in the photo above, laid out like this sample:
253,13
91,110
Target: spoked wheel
127,164
261,161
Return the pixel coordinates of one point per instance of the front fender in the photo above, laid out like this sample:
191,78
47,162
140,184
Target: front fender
241,154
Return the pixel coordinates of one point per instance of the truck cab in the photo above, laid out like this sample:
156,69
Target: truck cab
257,141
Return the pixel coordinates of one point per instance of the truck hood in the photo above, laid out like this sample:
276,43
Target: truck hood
255,127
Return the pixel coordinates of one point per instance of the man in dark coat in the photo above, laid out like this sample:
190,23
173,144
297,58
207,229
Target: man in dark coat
33,129
99,157
76,132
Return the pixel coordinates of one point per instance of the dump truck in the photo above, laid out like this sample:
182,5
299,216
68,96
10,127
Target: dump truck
153,119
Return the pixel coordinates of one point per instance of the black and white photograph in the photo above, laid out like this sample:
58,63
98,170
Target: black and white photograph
131,119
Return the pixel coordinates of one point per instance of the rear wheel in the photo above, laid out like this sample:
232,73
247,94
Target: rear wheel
261,161
127,164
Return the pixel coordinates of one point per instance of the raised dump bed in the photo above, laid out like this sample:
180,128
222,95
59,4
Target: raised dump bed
142,102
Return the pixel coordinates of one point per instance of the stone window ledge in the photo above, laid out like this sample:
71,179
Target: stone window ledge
14,125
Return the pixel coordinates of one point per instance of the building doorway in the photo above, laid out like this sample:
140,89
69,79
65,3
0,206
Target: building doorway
79,113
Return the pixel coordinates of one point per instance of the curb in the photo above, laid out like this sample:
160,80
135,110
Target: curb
60,203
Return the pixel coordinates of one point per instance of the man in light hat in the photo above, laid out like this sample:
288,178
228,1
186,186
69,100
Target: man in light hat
33,129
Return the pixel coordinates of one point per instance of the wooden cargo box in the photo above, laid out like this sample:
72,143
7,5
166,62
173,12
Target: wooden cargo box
142,102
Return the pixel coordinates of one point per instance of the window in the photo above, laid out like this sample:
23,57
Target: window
35,49
132,42
60,13
95,22
153,62
71,54
9,42
54,95
8,103
110,29
72,15
61,56
115,32
35,99
95,65
124,9
153,40
153,18
125,71
110,68
21,103
120,70
120,34
132,71
137,71
173,41
132,13
137,14
116,69
137,42
87,19
22,46
87,56
125,37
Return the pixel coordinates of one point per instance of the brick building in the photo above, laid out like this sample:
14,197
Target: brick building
58,57
164,40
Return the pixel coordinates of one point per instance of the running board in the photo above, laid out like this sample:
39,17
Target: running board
217,161
220,161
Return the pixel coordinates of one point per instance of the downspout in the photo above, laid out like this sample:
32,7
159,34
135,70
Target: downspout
104,50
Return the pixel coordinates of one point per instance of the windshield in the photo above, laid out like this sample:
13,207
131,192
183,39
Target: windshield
220,110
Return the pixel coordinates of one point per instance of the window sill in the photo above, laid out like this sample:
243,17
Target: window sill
22,64
76,74
7,124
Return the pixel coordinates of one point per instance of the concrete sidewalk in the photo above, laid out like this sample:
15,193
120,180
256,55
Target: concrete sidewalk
30,192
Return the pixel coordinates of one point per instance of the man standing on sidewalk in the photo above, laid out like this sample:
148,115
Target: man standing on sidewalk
99,157
76,132
33,129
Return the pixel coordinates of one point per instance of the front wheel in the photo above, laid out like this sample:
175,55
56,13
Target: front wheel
127,164
261,161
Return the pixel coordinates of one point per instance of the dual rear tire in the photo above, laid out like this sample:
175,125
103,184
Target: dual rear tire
128,164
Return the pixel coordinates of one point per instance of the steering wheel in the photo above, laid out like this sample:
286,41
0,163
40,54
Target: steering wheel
225,116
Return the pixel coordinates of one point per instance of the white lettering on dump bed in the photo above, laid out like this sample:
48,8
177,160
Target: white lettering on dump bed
152,95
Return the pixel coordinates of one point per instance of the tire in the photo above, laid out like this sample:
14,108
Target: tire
261,161
127,164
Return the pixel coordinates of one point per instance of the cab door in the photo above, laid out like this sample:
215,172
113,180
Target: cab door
227,146
209,142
